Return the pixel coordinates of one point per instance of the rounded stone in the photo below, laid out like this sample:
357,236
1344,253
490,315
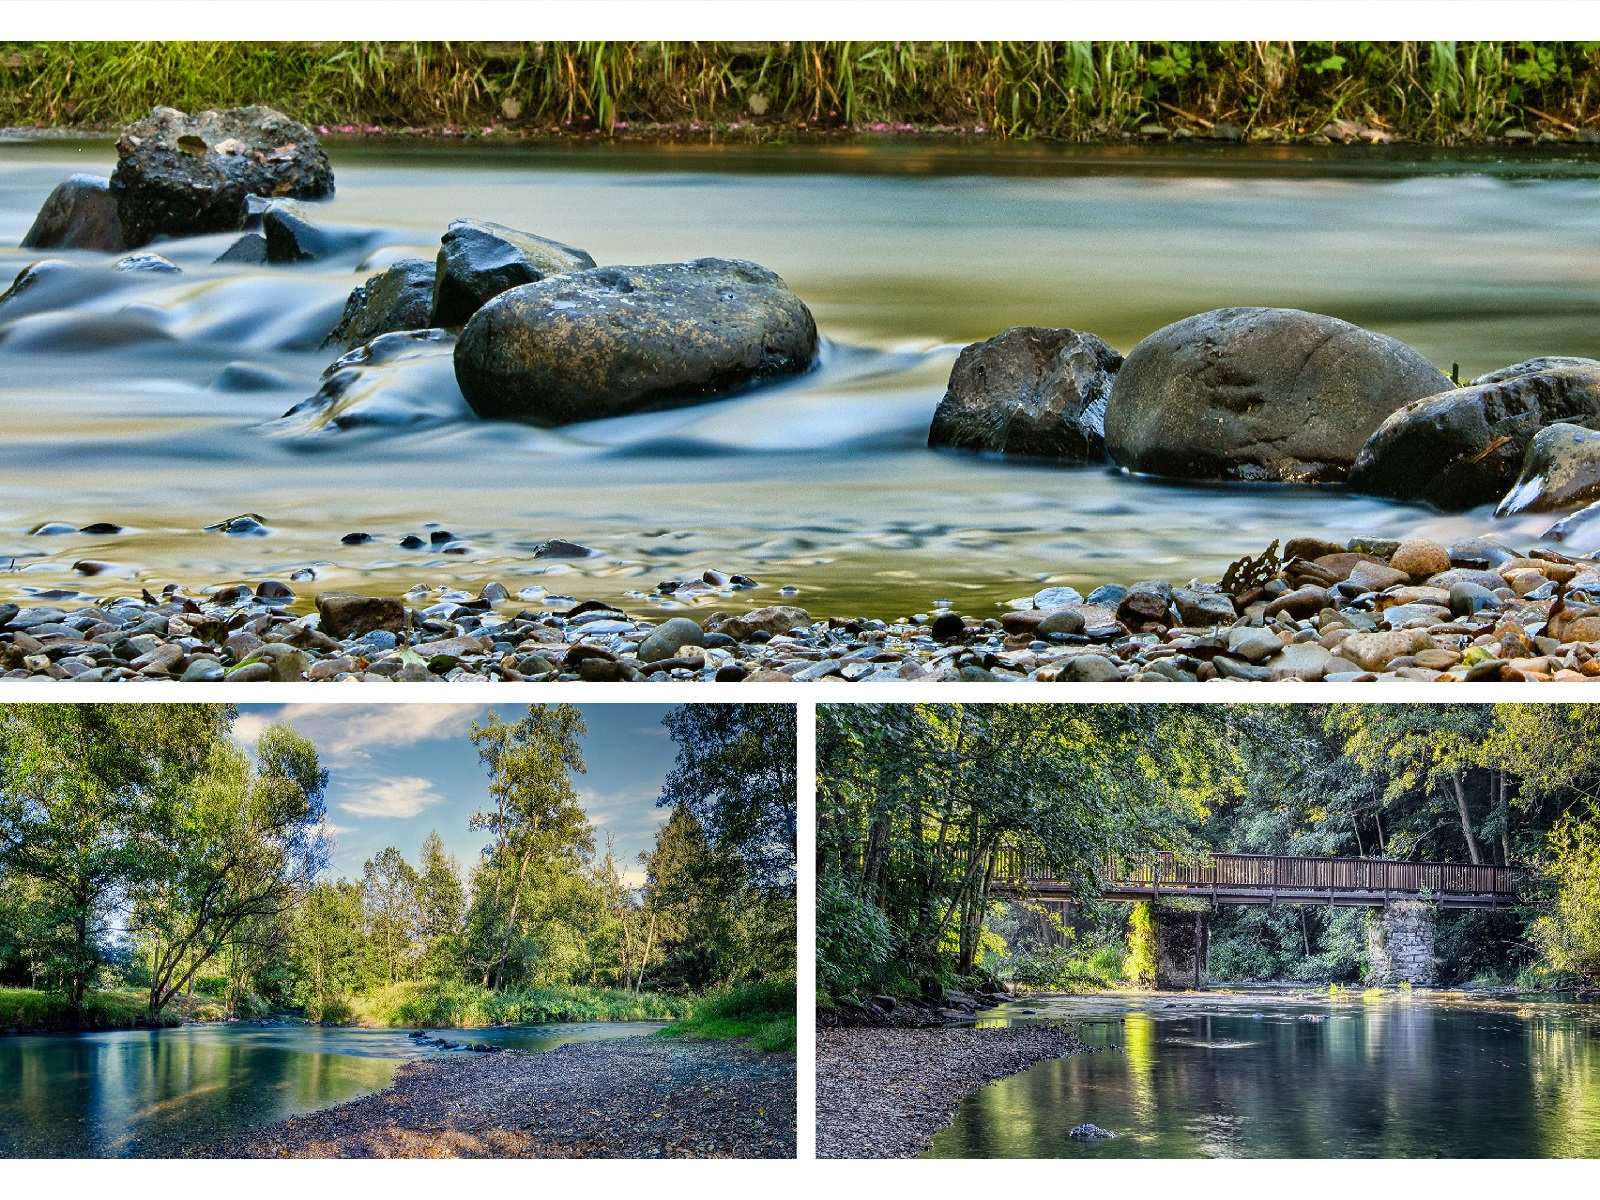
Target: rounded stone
1259,394
947,627
478,260
81,214
618,340
1420,558
350,614
1089,668
1062,621
668,638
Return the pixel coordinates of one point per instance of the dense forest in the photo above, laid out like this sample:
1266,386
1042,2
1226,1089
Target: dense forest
917,804
149,861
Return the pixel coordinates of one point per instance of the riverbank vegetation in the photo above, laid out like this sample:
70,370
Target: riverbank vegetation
918,807
1445,93
142,848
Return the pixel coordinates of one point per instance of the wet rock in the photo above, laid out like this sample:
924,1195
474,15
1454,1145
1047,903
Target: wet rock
617,340
29,279
152,264
244,525
1064,621
179,175
396,379
247,377
947,627
1259,394
1560,470
478,260
1029,391
773,620
1532,366
1420,558
292,239
1479,554
1464,447
561,548
80,214
670,637
1089,668
1089,1133
250,250
349,614
393,300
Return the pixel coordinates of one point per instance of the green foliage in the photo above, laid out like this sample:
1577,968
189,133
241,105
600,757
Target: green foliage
1445,92
1568,936
446,1003
763,1012
855,941
106,1009
1140,966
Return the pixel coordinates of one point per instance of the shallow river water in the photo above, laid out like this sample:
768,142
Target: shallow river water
118,404
1298,1075
156,1092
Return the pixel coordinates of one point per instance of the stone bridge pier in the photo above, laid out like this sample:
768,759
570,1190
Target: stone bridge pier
1182,947
1400,943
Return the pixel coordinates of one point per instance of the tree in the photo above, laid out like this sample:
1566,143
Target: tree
87,800
442,904
389,898
536,816
635,923
241,844
326,947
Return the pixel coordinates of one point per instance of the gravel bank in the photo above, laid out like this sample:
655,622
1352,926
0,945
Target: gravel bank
640,1097
884,1093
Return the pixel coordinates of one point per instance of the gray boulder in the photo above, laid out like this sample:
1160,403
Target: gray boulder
392,301
291,238
81,214
1464,447
617,340
1259,394
478,260
1029,391
179,175
1560,470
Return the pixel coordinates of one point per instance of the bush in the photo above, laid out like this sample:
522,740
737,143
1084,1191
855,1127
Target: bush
444,1003
763,1012
855,941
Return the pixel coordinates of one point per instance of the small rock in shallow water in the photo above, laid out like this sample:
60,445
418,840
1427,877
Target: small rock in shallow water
251,250
1090,1133
355,539
244,525
52,529
349,614
412,542
152,263
80,214
561,548
947,627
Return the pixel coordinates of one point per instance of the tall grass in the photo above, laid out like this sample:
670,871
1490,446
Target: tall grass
112,1009
764,1013
1442,92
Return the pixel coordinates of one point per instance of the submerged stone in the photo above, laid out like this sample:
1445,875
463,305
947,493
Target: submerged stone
80,214
1560,470
394,300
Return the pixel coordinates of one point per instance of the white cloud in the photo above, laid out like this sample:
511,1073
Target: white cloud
397,798
346,734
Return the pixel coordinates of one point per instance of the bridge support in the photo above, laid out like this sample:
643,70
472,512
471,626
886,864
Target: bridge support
1400,943
1170,943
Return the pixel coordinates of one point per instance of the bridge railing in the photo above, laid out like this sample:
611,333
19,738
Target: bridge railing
1281,872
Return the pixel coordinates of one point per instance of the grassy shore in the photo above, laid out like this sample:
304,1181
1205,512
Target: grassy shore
121,1008
1445,93
762,1012
439,1004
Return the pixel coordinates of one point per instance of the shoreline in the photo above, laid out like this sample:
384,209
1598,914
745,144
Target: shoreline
637,1097
884,1093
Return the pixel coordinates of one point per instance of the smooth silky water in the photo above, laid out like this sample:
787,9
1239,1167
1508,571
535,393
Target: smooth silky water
111,407
1298,1075
157,1093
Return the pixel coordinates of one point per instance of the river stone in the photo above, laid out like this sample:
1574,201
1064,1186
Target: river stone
291,238
251,249
152,264
1420,558
1203,608
1029,391
1300,660
179,175
395,300
1375,651
1061,620
81,214
1254,643
1375,577
479,259
618,340
1259,394
1464,447
350,614
1551,362
1560,470
773,620
668,638
1056,597
1088,668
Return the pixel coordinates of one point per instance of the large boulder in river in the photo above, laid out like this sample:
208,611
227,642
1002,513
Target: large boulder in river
395,299
179,175
1029,391
619,340
1259,394
81,214
479,259
1561,470
1464,446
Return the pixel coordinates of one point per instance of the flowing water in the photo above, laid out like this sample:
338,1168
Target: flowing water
157,1092
154,401
1298,1075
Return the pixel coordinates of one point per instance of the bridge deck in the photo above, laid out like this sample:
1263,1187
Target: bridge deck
1279,879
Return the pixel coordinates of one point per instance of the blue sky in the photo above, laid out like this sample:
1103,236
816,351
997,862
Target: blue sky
398,770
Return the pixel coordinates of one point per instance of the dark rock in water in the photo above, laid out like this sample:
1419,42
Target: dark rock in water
1259,394
395,380
81,214
479,259
179,175
52,529
561,548
440,536
271,589
152,263
251,249
392,301
244,525
355,539
247,377
351,615
1560,470
101,529
1107,595
1029,391
1464,447
34,274
1090,1133
618,340
412,542
291,238
947,627
1532,366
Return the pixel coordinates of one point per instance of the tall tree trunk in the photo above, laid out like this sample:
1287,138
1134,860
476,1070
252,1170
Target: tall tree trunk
1505,817
1466,819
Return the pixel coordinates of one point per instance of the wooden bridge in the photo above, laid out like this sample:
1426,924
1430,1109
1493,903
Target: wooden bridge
1276,879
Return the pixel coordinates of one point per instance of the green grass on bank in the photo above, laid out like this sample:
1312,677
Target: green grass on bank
112,1009
763,1012
1439,92
448,1004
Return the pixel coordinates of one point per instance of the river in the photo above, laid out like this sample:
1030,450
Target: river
120,405
155,1093
1300,1074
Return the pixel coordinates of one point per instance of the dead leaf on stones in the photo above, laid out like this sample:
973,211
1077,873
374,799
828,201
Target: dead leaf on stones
191,143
